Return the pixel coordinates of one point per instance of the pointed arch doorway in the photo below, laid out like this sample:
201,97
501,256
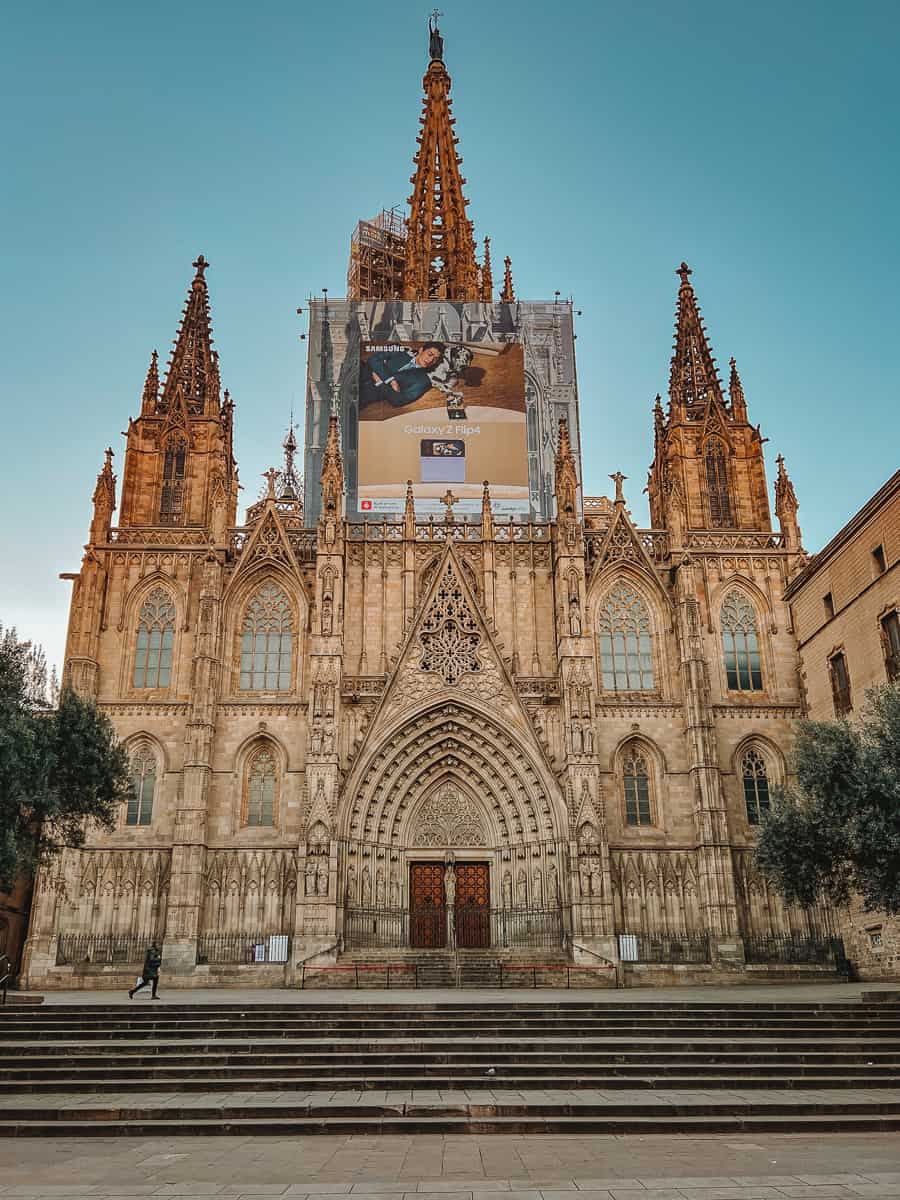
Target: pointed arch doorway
450,900
447,912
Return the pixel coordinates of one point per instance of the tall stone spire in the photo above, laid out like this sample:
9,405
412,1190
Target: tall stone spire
693,374
487,275
150,398
440,246
332,477
192,379
508,294
786,507
104,500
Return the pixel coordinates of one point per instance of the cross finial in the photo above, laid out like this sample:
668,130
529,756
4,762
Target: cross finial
270,476
685,272
449,499
201,264
618,479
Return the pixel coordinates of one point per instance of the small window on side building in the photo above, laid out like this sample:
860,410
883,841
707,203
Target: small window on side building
828,601
890,635
840,684
878,560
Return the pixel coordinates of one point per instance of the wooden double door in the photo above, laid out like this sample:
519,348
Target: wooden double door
429,924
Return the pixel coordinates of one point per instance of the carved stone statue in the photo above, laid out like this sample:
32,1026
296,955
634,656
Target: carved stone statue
507,890
310,877
450,885
435,41
327,614
322,879
574,618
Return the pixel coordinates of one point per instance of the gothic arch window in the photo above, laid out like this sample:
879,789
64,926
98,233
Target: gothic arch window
740,641
636,784
720,514
143,785
155,637
626,651
261,787
267,642
171,504
756,785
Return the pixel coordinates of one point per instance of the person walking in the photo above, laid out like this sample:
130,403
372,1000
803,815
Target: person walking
149,972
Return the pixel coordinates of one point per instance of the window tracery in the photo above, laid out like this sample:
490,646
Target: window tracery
262,788
267,641
450,635
143,785
756,785
626,652
720,514
171,504
155,638
740,640
636,777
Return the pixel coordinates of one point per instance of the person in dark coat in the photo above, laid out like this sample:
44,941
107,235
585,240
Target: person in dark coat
149,972
399,377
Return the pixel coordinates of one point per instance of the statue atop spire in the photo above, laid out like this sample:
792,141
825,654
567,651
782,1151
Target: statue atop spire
435,41
440,244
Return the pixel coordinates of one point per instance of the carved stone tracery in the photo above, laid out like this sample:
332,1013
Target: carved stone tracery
449,818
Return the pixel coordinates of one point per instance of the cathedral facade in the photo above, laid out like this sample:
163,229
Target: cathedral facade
445,727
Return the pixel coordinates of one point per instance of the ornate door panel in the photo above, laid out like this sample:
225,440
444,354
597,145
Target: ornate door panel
473,898
427,917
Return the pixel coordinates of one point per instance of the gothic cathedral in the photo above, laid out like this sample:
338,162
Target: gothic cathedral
504,722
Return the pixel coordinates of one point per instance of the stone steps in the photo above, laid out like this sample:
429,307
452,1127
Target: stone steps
676,1068
530,1118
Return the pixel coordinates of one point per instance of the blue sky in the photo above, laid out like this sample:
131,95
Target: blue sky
603,143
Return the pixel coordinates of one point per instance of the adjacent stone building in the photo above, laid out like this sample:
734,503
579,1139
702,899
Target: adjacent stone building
554,734
846,612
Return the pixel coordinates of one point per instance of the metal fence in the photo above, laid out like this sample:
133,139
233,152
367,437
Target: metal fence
466,927
103,949
664,947
243,949
793,948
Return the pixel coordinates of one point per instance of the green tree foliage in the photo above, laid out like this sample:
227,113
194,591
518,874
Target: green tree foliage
58,765
839,831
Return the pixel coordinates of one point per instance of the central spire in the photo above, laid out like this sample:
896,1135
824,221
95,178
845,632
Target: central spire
440,245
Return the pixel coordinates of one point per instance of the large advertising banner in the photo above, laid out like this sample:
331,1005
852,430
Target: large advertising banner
446,415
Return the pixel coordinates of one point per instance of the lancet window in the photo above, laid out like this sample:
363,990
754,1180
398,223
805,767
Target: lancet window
637,788
143,786
756,786
740,639
262,788
171,505
155,637
626,653
720,514
267,642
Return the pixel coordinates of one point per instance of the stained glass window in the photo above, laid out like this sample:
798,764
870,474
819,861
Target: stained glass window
143,786
720,516
626,657
155,635
756,786
740,639
262,777
637,789
267,642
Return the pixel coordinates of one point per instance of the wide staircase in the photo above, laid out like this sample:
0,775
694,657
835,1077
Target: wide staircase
545,1066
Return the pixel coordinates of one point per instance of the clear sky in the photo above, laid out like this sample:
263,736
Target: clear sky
603,143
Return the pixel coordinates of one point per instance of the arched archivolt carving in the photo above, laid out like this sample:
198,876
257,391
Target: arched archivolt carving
463,742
